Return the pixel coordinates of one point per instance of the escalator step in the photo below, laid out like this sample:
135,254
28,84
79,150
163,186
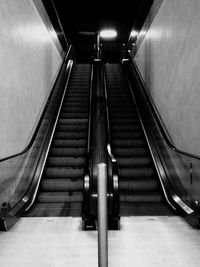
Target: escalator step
78,90
75,98
67,152
54,185
70,135
77,115
74,104
137,172
73,121
128,121
126,135
115,107
72,209
59,197
128,143
121,115
72,94
65,161
74,110
126,101
131,152
145,208
141,184
134,162
71,128
141,197
125,128
63,172
69,143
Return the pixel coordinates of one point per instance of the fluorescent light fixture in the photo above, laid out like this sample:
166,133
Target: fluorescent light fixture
134,33
108,33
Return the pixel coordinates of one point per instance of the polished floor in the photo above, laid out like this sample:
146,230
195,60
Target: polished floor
142,241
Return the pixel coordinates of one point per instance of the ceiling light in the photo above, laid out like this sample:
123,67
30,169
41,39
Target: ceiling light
108,33
134,33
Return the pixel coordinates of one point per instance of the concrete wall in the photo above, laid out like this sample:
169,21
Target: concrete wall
169,60
29,63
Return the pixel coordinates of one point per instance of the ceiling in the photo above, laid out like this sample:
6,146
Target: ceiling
80,20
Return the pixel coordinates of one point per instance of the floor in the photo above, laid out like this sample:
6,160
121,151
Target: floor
142,241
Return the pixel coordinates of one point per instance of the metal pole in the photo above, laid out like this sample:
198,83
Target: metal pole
102,215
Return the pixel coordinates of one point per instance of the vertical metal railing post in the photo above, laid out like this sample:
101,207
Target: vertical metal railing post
102,215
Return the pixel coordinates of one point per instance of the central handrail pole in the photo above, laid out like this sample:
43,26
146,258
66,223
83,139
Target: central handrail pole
102,215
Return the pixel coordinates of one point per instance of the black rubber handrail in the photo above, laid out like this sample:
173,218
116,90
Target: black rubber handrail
42,115
109,148
115,175
90,114
157,117
86,216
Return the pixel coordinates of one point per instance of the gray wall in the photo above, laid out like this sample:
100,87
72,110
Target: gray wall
168,58
30,58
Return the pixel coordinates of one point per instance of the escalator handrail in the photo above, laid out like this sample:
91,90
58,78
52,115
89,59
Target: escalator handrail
90,113
157,117
66,57
109,148
86,211
115,175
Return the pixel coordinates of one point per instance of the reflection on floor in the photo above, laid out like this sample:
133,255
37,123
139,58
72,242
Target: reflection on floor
142,241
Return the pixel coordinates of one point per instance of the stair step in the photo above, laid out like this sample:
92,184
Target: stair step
54,185
73,121
128,143
71,127
72,209
134,162
125,128
126,135
67,152
59,197
141,197
65,161
74,104
137,172
75,110
131,152
63,172
145,209
124,121
70,135
139,184
74,115
73,94
73,143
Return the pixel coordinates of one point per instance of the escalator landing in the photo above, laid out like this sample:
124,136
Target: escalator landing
143,241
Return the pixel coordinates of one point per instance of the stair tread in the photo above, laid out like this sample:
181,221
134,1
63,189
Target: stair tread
63,172
65,161
54,185
72,209
59,197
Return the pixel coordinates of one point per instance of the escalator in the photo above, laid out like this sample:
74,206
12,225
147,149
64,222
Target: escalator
139,185
60,191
